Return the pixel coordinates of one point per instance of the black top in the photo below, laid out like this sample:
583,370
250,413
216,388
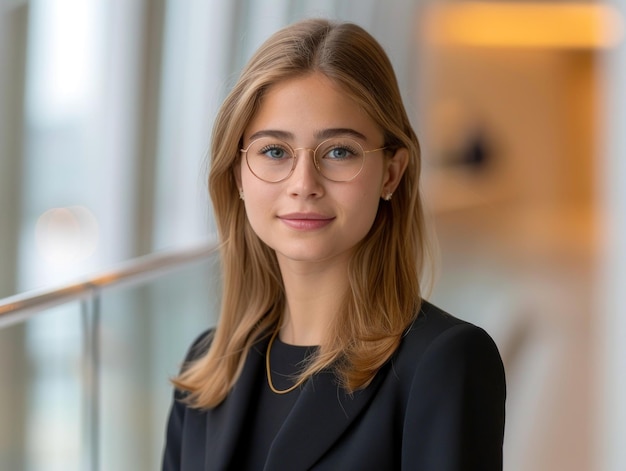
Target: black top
267,415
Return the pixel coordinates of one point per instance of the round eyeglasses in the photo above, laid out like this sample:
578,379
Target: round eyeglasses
339,159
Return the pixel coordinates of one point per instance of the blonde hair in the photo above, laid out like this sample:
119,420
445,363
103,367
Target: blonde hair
384,272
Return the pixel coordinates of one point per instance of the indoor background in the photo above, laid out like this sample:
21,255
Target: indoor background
106,108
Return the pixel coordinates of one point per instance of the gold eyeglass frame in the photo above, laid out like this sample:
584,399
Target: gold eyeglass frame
294,154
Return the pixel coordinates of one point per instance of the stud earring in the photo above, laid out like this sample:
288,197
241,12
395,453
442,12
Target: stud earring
387,196
241,194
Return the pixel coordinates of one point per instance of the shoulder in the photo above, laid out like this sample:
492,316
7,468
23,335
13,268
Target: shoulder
451,379
200,345
195,352
434,326
440,342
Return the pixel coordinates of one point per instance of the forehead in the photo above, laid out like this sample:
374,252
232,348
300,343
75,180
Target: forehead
305,106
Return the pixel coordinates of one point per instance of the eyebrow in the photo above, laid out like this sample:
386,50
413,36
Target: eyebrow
321,134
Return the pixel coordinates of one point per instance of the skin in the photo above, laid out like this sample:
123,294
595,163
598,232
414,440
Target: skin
314,224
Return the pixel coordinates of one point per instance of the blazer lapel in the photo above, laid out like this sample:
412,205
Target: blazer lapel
319,417
224,423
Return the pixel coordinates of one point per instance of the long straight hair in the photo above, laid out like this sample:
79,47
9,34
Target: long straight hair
384,272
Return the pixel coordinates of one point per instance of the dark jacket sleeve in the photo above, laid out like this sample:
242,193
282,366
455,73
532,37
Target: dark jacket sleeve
174,433
455,416
175,423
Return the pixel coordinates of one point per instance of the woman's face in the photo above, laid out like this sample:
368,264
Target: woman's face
306,217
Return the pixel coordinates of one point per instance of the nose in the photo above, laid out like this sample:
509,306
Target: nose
305,181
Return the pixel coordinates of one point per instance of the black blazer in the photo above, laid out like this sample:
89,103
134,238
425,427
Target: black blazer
437,405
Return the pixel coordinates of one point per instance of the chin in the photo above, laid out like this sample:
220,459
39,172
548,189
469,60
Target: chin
311,254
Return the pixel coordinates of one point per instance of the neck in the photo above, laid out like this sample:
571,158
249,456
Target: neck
314,294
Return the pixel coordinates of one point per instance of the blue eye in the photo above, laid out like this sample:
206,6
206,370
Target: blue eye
275,152
341,152
338,153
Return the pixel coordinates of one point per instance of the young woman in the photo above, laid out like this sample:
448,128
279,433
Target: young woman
325,355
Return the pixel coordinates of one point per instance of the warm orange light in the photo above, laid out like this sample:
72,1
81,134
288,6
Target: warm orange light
514,24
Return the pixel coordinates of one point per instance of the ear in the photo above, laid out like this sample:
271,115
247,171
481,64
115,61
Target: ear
395,167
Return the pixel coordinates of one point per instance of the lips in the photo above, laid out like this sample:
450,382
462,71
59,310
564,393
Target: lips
305,221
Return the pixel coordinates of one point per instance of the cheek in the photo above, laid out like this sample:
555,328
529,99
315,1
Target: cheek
363,210
371,188
367,197
253,189
257,201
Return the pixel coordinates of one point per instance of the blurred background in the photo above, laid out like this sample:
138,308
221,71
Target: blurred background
106,108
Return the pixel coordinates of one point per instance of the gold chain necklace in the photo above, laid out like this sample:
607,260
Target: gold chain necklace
268,370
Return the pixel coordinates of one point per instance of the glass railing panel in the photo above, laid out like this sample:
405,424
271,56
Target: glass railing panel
43,399
145,332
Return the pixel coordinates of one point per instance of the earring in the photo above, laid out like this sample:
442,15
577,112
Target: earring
387,196
241,194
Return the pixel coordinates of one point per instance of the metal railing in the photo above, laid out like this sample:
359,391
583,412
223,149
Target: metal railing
21,307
